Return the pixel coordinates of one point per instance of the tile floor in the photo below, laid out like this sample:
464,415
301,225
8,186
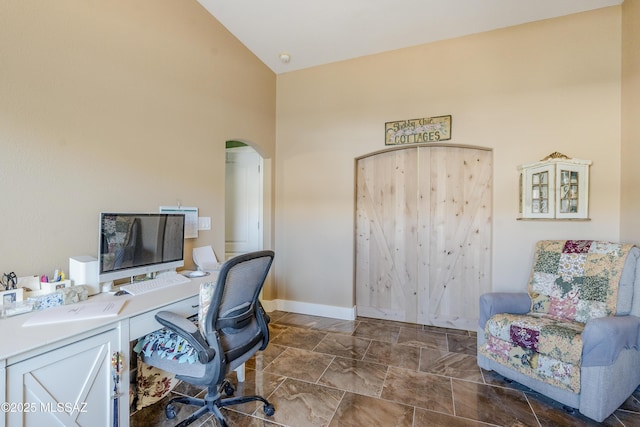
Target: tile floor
325,372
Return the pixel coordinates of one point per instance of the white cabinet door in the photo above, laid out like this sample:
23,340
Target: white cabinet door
69,386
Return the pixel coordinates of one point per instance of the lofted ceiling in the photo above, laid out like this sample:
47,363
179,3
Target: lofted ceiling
316,32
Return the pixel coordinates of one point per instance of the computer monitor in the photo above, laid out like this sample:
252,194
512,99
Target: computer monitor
131,244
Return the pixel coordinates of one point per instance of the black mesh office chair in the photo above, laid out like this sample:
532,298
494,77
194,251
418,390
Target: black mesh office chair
231,330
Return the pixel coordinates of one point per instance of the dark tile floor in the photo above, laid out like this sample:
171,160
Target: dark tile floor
319,371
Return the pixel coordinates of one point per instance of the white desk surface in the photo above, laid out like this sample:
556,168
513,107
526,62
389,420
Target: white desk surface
16,339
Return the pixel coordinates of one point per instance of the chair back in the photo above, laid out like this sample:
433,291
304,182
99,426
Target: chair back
235,321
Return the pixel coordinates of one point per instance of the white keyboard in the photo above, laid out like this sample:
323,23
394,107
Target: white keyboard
162,281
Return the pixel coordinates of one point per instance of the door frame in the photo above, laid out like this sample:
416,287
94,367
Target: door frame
264,194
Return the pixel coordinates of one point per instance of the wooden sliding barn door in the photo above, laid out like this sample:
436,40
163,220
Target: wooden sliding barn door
423,234
386,223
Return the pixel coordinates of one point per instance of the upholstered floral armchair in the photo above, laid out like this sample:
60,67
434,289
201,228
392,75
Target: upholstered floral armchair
574,335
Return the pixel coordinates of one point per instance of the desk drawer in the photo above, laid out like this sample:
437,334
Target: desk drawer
142,324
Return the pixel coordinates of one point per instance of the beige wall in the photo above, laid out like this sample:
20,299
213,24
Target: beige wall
630,176
117,105
524,91
126,105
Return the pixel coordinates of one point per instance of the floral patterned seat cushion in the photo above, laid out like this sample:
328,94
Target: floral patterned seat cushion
170,345
537,345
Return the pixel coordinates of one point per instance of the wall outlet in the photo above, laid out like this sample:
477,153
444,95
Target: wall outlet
204,223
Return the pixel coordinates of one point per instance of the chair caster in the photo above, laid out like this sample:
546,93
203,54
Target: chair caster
170,411
228,388
268,409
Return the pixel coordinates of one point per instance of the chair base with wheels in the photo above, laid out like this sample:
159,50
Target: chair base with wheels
213,402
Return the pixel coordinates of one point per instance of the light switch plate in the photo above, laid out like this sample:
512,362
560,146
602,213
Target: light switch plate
204,223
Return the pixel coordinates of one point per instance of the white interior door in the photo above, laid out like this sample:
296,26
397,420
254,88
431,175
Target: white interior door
243,201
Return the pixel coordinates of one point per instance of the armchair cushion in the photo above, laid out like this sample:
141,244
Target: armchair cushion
577,280
536,345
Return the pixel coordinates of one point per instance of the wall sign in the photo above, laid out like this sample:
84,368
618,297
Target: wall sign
416,131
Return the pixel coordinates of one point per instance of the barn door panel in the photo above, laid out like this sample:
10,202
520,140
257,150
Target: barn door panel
386,215
454,243
423,234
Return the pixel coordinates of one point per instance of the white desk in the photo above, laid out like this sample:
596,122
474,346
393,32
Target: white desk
60,374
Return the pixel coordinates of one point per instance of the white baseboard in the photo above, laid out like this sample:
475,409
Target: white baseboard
342,313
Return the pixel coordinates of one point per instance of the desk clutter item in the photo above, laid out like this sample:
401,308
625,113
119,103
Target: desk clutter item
11,296
35,286
86,311
9,281
8,310
48,287
47,301
205,259
11,303
29,293
15,304
83,270
196,273
60,297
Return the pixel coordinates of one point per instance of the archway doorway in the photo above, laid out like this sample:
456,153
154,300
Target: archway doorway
244,195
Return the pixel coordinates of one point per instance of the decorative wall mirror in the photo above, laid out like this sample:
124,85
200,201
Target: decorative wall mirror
556,187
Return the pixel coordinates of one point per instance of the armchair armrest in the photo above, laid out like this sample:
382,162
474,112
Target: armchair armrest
187,330
503,302
603,338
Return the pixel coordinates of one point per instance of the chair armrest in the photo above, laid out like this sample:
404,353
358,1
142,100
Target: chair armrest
187,330
503,302
263,322
263,312
603,338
